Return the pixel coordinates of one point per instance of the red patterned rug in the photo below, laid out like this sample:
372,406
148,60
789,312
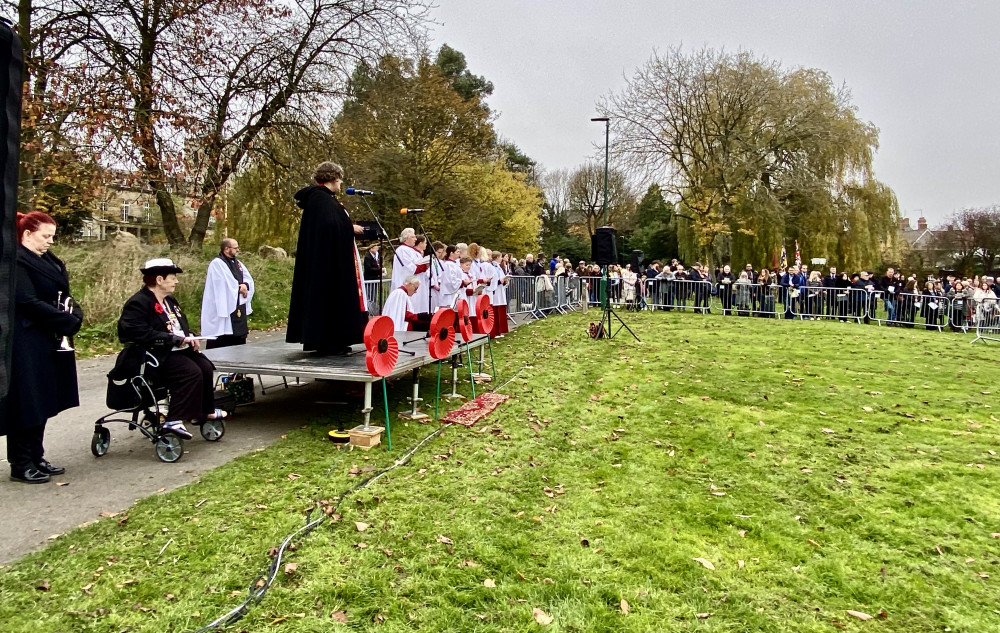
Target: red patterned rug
475,410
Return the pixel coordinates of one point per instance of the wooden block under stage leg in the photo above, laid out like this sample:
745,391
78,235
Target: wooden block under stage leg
366,437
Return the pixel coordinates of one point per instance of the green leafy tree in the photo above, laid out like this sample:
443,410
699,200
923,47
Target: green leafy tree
656,228
755,154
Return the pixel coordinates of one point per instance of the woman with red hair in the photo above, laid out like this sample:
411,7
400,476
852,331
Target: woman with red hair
43,376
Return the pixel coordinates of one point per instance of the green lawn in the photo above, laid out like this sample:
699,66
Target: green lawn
814,468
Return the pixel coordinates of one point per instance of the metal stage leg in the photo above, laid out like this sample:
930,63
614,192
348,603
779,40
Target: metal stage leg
454,395
479,375
414,412
367,410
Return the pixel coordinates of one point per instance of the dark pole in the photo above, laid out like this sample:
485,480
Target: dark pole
604,276
607,132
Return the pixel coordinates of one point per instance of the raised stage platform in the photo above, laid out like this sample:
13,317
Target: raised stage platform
278,358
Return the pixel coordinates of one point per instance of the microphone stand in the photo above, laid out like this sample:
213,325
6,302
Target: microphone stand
383,237
430,261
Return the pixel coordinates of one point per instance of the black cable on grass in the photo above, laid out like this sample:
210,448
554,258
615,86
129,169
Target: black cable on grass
262,583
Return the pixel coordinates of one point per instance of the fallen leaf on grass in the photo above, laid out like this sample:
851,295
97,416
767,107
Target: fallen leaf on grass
828,431
290,568
740,564
703,616
859,615
361,545
541,617
43,586
361,526
445,540
624,606
294,476
489,582
339,616
708,564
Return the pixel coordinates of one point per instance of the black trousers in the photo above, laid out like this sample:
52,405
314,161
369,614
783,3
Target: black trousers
189,378
226,340
24,447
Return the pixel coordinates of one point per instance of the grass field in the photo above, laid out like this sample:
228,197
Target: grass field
724,475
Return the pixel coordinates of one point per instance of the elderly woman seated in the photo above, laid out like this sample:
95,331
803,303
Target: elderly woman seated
152,319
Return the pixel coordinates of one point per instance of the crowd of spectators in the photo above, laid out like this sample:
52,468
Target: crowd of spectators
904,300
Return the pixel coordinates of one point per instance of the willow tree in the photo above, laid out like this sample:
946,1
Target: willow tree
756,154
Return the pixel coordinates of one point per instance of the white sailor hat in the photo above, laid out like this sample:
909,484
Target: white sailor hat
160,266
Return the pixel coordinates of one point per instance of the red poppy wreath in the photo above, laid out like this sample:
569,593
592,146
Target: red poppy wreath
442,334
484,315
464,325
382,348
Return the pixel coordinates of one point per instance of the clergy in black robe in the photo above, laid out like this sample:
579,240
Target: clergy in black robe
327,312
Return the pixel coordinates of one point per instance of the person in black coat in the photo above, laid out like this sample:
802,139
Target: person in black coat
327,313
43,376
153,320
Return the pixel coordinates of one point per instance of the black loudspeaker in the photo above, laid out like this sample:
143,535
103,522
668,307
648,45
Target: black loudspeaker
604,246
636,259
11,62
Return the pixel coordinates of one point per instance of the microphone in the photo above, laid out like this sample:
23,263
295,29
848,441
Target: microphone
351,191
408,211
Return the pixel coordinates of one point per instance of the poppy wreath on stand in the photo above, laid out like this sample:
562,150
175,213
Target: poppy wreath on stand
464,324
382,348
483,321
442,334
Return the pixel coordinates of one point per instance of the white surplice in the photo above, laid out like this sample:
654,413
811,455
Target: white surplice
220,298
396,307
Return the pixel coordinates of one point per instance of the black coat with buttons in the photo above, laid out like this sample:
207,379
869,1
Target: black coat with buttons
43,380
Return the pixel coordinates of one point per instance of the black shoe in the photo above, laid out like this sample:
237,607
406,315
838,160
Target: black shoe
49,468
29,475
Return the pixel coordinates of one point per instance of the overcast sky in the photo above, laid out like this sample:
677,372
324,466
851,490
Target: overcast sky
926,73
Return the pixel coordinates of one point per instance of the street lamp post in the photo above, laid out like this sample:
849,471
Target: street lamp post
607,130
604,208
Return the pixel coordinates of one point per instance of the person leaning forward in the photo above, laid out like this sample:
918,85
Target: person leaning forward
153,320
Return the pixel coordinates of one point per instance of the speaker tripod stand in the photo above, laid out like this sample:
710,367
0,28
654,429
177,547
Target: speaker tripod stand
605,328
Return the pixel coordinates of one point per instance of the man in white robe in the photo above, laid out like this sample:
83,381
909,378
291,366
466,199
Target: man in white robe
408,261
399,306
225,303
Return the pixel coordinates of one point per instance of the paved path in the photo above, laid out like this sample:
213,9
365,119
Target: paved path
129,471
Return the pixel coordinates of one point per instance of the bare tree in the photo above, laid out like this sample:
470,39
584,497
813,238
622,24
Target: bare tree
200,80
585,198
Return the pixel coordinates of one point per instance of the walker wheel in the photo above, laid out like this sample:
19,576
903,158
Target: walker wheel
213,430
101,441
168,447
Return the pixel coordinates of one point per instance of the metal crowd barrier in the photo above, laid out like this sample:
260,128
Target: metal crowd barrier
987,320
749,299
520,295
679,294
910,309
813,302
372,298
960,313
